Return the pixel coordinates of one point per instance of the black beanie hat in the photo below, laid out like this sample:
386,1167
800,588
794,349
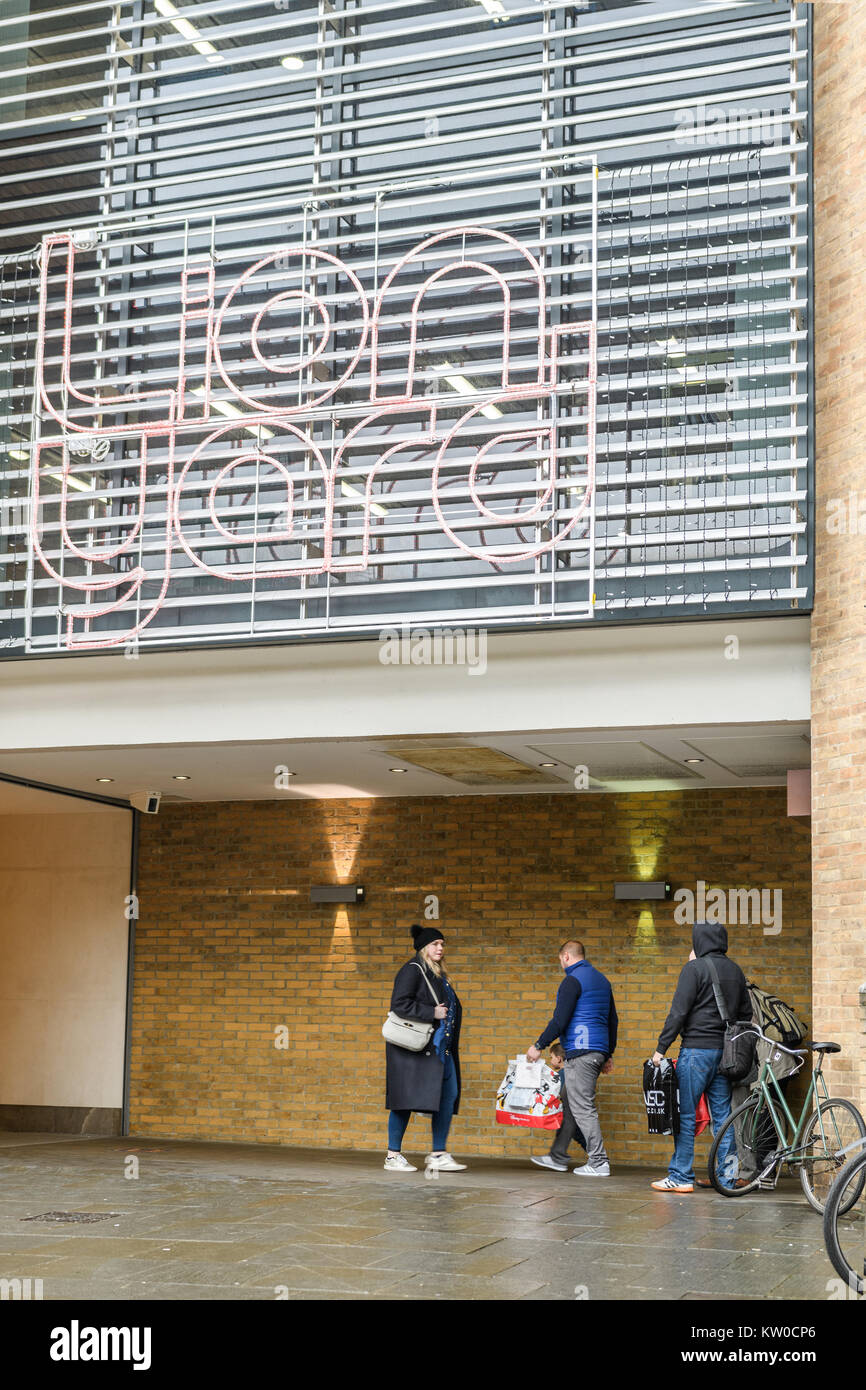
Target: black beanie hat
422,936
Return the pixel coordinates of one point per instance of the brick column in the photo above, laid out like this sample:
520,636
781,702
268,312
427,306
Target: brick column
839,624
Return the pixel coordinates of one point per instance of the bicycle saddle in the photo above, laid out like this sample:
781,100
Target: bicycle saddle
825,1047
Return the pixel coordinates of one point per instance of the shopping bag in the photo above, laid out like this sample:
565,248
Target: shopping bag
702,1116
528,1074
661,1098
536,1106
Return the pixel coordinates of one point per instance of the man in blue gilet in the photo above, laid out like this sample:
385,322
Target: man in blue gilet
585,1021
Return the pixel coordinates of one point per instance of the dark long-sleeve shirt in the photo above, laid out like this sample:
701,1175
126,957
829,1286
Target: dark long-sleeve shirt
694,1013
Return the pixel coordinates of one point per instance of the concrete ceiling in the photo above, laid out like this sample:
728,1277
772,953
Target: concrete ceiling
623,760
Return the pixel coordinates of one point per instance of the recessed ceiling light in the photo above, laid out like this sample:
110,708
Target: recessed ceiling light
398,769
180,777
77,483
547,764
71,481
226,408
694,760
292,62
468,388
170,12
105,779
349,490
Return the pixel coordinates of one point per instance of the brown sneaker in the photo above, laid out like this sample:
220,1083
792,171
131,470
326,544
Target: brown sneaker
703,1182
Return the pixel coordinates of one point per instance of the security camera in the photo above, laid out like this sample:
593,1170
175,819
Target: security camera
84,238
146,801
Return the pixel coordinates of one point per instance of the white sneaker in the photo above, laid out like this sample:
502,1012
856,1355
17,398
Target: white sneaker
545,1161
396,1163
444,1163
588,1171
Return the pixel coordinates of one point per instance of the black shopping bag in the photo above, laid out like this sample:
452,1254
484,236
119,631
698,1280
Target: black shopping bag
661,1098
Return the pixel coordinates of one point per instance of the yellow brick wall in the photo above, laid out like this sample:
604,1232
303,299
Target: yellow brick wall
229,948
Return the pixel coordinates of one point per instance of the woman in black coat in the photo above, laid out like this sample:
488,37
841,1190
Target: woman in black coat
427,1081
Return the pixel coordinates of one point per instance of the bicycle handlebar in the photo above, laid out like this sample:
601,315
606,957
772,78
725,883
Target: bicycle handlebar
791,1051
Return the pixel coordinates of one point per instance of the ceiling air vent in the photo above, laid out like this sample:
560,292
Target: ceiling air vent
473,767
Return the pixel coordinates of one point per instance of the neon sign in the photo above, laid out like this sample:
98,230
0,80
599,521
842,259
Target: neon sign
202,488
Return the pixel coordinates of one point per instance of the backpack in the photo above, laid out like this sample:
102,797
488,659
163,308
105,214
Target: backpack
777,1019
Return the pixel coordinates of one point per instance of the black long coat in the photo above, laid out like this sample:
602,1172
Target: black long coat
413,1080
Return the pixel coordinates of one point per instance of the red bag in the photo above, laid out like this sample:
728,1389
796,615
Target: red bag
702,1116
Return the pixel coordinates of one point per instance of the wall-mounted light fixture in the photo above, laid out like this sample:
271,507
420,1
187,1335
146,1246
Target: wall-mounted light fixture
642,892
337,893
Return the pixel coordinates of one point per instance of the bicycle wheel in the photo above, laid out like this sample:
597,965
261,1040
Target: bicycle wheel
840,1124
738,1148
845,1224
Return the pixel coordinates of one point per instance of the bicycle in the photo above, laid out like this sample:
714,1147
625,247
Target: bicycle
846,1240
815,1144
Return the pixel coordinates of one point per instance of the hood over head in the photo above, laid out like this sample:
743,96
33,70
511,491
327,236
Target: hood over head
709,936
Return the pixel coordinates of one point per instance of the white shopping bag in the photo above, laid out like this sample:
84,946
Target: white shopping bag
528,1073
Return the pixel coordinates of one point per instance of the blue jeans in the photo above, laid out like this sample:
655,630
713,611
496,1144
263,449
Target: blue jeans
399,1119
698,1073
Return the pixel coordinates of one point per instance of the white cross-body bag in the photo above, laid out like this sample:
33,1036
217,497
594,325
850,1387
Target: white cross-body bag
409,1032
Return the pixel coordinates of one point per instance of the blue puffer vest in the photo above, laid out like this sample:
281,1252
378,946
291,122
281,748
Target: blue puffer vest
587,1028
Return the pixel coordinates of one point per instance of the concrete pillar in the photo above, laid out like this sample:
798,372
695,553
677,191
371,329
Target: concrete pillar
839,624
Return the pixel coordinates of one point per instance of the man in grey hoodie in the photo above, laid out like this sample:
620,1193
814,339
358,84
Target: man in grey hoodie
694,1015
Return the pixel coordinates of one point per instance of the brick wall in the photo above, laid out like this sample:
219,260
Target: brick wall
838,628
229,948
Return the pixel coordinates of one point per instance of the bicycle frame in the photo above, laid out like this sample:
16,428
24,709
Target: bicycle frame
817,1092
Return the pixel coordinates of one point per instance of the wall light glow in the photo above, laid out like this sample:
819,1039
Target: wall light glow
645,935
645,852
341,940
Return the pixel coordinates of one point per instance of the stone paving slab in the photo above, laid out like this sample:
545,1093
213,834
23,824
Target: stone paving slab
203,1293
762,1242
236,1221
420,1261
466,1287
413,1239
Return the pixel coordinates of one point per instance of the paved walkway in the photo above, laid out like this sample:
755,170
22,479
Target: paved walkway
237,1221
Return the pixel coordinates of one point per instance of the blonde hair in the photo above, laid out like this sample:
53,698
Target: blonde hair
433,965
